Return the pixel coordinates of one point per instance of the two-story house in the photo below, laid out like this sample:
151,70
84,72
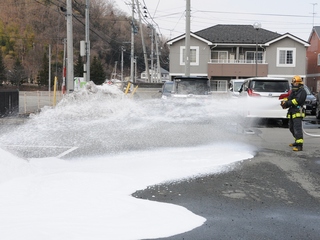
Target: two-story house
313,56
225,52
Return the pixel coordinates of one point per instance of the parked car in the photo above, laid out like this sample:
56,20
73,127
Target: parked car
234,86
190,87
167,89
311,102
260,97
318,106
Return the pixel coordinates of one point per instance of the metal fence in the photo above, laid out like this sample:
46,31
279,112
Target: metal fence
33,101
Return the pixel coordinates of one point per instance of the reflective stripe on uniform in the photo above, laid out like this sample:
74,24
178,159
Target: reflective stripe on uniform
294,102
300,141
296,115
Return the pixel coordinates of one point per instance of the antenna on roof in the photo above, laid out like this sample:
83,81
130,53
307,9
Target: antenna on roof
313,13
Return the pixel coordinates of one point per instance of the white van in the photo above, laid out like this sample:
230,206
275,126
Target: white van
234,86
261,95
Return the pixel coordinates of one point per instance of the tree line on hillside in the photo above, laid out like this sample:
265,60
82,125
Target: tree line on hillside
29,28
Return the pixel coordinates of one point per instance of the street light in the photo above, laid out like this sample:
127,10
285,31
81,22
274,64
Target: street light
256,26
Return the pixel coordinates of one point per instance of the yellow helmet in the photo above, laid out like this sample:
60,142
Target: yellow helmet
297,79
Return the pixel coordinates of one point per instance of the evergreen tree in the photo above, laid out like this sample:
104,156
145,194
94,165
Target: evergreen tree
97,74
44,72
78,68
17,75
2,69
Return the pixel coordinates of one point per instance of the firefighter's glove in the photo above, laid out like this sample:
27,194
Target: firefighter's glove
284,104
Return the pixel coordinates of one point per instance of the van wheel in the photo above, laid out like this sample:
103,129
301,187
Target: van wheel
318,114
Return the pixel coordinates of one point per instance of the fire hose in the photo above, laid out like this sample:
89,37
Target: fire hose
309,134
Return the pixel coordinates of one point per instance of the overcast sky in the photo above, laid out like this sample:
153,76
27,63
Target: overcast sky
293,16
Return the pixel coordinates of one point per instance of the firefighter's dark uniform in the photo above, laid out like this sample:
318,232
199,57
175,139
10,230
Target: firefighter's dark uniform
296,113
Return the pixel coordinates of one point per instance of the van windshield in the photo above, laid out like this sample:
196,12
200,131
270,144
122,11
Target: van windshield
237,86
196,87
168,87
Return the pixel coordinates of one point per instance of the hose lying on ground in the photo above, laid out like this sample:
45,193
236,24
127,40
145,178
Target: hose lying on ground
309,134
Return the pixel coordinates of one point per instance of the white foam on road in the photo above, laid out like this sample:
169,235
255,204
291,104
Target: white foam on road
87,198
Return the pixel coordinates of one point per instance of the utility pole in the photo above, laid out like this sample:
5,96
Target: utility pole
256,26
49,69
143,44
152,53
70,73
87,67
158,58
64,67
132,44
187,47
122,50
114,71
135,68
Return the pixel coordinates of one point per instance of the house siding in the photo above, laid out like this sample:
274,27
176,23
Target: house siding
271,59
313,70
176,69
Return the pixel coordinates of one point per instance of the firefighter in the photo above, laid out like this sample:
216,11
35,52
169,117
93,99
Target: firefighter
296,111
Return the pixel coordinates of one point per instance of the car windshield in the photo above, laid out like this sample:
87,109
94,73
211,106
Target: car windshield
269,86
307,90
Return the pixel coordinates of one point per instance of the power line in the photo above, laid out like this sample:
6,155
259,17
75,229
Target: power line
258,14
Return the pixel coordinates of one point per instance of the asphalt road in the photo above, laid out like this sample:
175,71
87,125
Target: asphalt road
275,195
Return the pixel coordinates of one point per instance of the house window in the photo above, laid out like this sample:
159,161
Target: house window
251,57
318,59
194,55
219,85
286,57
219,57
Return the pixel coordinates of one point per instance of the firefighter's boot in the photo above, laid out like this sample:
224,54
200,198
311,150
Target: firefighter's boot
297,148
292,144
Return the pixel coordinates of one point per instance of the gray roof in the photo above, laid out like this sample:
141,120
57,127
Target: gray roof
317,30
235,34
164,71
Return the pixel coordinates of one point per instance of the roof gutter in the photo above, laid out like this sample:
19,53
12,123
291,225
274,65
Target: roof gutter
214,46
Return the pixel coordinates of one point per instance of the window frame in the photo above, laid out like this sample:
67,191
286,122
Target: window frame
254,57
197,54
219,85
220,60
294,55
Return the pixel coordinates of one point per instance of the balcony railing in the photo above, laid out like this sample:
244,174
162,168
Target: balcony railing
234,61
